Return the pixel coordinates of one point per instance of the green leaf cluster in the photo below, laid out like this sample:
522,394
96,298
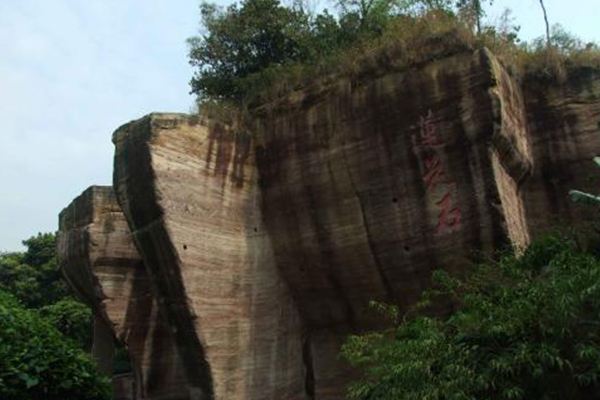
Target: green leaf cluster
528,327
34,276
38,363
72,318
243,40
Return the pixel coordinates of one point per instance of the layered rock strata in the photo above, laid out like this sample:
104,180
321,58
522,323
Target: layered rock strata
189,191
379,183
102,265
265,242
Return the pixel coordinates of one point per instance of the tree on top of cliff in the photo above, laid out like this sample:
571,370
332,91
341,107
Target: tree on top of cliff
260,49
528,327
245,47
241,42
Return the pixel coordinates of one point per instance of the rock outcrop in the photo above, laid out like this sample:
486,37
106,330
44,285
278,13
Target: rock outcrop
264,243
190,194
102,265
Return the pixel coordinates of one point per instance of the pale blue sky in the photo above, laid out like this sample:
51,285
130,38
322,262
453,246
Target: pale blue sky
71,71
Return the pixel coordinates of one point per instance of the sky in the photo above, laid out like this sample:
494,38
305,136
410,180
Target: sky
72,71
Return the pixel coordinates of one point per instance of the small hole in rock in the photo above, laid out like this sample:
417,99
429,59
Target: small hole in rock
185,246
394,200
406,248
255,229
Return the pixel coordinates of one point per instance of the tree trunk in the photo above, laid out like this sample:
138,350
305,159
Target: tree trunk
548,40
477,7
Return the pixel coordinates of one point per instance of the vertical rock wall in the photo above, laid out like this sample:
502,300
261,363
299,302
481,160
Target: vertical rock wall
378,183
190,193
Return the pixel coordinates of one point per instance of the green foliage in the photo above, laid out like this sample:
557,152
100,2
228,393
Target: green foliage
474,11
528,327
562,41
34,276
38,363
566,51
72,318
250,53
242,44
41,249
243,40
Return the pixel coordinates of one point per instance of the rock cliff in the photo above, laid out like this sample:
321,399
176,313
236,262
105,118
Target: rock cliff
262,244
189,191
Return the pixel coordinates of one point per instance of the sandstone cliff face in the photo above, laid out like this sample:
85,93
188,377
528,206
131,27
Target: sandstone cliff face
264,244
101,263
368,188
191,196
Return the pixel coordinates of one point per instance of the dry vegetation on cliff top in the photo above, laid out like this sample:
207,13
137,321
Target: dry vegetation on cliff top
409,42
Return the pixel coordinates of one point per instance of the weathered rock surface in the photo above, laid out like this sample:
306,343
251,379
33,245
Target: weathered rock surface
101,263
265,243
379,184
190,194
564,129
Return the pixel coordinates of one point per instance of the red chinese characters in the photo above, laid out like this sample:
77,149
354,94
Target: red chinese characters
438,185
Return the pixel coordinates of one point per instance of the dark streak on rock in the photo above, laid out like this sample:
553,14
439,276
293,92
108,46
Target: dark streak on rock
243,143
382,275
145,219
307,359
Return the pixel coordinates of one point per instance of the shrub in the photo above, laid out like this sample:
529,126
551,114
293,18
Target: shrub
38,363
72,318
34,276
528,327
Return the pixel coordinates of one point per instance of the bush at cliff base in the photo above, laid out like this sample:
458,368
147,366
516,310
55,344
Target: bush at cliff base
528,327
38,362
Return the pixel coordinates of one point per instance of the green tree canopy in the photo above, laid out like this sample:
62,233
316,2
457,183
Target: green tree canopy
243,40
72,318
34,276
